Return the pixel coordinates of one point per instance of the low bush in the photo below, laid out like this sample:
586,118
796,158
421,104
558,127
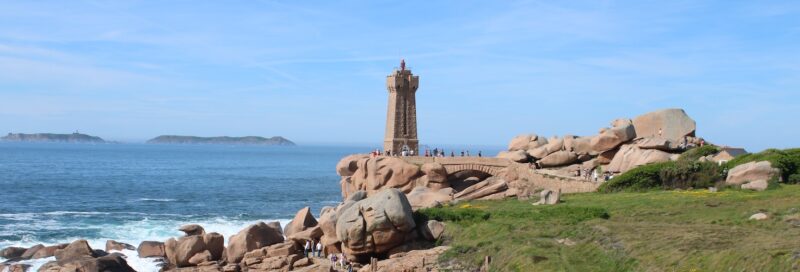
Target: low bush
695,153
681,174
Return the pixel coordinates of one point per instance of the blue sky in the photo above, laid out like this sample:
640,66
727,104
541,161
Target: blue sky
314,72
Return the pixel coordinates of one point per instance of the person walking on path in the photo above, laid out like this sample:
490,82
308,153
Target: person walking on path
319,249
479,154
307,248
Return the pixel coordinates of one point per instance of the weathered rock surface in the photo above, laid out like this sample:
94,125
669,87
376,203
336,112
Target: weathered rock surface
630,156
432,230
12,252
303,220
112,262
347,166
415,260
114,245
148,249
613,137
422,197
752,171
435,173
558,158
757,185
48,251
548,197
253,237
483,189
193,250
517,156
674,124
659,143
74,250
375,224
374,174
192,229
31,251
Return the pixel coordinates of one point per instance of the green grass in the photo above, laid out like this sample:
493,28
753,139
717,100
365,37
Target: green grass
651,231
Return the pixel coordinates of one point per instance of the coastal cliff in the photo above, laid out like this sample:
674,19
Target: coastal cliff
52,137
247,140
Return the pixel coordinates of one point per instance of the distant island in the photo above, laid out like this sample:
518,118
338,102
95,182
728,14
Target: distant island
247,140
52,137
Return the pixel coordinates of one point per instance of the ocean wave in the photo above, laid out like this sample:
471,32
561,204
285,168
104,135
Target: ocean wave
155,200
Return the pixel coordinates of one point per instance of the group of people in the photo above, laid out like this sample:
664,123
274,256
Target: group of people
438,152
592,174
313,248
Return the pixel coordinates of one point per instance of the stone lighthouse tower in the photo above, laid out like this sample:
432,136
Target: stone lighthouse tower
401,115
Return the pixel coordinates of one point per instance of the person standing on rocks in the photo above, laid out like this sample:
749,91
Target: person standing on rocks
319,249
307,248
479,154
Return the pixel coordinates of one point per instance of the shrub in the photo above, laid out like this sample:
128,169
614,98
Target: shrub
681,174
695,153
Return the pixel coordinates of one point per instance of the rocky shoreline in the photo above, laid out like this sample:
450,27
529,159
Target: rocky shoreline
375,227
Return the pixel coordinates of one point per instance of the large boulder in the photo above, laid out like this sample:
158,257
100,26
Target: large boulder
629,156
484,189
432,230
422,197
12,252
517,156
673,124
435,172
303,220
613,137
347,166
558,158
659,143
48,251
75,250
192,229
114,245
180,251
376,224
520,142
375,174
112,262
751,172
253,237
579,145
31,251
148,249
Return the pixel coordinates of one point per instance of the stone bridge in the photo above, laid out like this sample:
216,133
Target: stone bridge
491,166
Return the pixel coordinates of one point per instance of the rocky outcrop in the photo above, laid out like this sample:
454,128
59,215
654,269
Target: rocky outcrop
423,197
48,251
415,260
114,245
375,224
517,156
757,173
436,175
484,189
12,252
192,229
253,237
611,138
377,173
302,220
630,156
672,124
79,256
192,250
149,249
559,158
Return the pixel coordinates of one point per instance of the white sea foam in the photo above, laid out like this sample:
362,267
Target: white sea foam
134,232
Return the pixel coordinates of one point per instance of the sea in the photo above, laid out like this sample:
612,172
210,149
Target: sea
53,193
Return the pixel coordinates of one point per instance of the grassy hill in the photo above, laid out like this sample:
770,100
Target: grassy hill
651,231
